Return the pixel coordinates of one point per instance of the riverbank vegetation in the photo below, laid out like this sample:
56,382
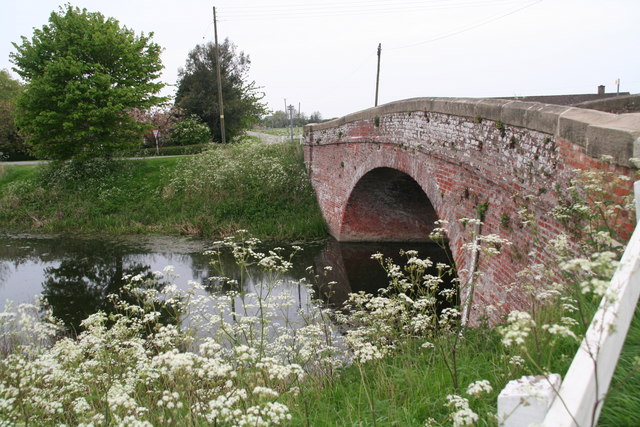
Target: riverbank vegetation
252,352
267,351
261,188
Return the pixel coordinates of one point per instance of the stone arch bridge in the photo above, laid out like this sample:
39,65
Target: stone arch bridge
387,173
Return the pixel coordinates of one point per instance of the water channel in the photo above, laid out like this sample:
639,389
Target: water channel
76,273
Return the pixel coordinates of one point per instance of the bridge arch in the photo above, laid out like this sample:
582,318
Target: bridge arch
387,204
472,158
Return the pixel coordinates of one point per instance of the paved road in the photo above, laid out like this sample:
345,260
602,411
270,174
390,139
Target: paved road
271,139
25,162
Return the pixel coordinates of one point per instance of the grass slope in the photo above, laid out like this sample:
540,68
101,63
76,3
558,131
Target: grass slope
263,189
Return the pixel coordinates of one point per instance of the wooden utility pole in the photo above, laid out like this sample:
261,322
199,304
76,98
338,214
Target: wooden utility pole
378,74
291,110
215,30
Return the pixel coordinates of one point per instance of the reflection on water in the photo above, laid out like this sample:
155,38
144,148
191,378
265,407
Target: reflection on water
76,274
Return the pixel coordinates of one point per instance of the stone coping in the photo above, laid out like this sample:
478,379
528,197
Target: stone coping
599,133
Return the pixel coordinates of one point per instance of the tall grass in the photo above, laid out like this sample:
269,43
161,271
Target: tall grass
622,405
248,186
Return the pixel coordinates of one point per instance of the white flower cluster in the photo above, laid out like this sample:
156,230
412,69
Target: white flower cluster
132,369
237,168
478,387
463,415
517,329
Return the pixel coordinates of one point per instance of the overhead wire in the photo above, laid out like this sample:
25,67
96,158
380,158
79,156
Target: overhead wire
352,8
361,5
467,28
335,9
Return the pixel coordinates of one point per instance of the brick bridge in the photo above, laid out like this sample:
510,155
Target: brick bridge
387,173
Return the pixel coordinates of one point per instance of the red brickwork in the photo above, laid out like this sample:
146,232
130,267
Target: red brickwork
459,163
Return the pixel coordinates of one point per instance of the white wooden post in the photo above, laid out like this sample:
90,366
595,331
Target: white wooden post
526,401
636,187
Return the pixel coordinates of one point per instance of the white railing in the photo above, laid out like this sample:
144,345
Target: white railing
579,400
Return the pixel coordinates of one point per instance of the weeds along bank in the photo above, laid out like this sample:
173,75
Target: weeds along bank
260,188
231,356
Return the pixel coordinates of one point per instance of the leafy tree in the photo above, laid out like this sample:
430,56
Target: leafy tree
277,119
198,91
280,119
83,72
11,142
315,117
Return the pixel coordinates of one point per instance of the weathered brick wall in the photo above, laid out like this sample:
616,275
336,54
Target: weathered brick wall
462,154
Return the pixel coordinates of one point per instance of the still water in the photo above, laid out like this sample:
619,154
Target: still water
76,273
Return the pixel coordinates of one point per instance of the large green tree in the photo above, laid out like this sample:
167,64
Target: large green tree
198,91
83,72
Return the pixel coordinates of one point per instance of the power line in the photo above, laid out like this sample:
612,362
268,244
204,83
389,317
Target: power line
469,28
325,10
362,5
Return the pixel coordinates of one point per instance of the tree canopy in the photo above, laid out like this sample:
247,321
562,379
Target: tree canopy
198,91
11,143
83,72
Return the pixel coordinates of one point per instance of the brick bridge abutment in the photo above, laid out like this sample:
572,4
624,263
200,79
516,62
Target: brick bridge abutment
387,173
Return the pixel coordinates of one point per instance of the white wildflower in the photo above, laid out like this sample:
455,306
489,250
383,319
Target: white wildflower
478,387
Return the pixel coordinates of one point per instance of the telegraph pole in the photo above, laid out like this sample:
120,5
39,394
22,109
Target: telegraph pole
215,30
378,74
291,109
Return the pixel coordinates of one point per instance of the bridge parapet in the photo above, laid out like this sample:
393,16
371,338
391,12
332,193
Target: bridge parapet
468,156
598,133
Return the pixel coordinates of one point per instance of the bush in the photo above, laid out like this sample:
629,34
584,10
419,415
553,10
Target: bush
172,150
190,131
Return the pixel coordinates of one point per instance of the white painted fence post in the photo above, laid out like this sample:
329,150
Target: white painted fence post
526,401
636,187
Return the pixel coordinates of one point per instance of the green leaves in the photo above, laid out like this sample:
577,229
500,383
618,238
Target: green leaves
83,73
198,92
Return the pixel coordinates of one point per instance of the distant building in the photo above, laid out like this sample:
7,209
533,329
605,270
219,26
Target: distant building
569,99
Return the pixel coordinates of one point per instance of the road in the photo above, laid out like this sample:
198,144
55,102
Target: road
271,139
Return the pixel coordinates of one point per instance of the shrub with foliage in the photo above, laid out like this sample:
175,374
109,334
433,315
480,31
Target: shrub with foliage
83,72
190,131
162,119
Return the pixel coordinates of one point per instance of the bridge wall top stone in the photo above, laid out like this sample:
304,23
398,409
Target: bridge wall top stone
599,133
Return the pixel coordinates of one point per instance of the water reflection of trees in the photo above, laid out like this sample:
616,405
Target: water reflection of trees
79,287
85,271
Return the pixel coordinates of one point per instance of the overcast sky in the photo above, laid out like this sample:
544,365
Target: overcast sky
322,54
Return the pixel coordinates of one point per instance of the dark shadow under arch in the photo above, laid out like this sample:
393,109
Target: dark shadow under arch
387,205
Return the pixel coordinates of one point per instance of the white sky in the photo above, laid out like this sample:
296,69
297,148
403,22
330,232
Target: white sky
322,54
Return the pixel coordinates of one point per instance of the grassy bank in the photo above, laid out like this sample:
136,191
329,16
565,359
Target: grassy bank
263,189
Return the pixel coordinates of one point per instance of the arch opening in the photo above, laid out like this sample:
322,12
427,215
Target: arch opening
387,205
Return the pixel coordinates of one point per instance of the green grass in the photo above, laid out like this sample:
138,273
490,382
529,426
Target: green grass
622,406
411,385
405,389
10,173
167,195
172,150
